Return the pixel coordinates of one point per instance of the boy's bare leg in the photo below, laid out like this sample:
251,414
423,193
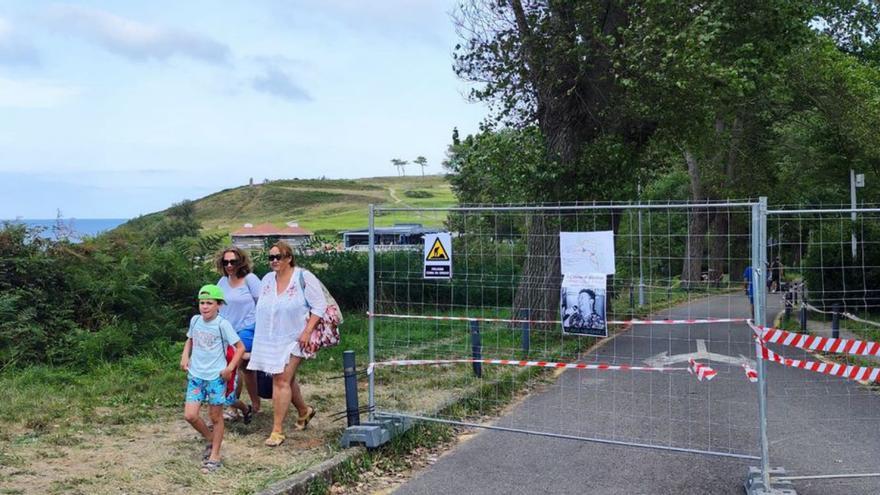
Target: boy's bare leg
191,415
216,413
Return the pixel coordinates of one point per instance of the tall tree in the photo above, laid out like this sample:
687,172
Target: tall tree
603,79
400,164
422,162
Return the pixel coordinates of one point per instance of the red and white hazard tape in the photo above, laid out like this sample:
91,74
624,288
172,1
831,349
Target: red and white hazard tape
816,343
689,321
845,371
751,374
702,371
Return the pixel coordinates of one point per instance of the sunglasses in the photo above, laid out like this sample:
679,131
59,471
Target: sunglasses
276,257
230,262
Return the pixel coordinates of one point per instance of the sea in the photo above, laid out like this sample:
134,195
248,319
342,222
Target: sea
76,228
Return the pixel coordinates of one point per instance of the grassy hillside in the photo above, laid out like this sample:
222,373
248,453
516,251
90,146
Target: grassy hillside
319,205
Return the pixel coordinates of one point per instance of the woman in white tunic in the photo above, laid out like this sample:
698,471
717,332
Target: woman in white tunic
290,305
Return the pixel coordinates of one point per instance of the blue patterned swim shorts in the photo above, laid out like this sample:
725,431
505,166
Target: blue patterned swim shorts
211,392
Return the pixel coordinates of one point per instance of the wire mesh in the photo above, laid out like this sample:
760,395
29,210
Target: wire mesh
824,263
677,262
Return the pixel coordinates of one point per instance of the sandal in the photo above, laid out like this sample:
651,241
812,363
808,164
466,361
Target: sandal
275,439
207,452
248,415
210,466
303,420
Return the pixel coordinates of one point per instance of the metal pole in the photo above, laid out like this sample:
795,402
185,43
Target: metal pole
476,348
372,307
641,272
759,257
835,321
803,316
349,371
852,203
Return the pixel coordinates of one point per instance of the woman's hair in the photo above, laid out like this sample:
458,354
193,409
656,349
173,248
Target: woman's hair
244,262
286,250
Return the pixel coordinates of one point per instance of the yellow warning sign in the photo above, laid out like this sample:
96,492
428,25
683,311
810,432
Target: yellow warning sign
437,252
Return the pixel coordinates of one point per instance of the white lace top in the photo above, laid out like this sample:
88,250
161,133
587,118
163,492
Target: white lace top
281,318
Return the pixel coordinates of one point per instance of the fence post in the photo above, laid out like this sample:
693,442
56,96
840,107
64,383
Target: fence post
759,256
803,317
788,303
632,297
526,331
476,348
371,397
835,321
352,410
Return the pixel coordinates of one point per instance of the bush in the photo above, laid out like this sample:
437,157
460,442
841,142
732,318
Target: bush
73,304
418,194
831,273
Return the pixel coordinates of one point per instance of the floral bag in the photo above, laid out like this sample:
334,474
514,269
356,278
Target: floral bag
326,332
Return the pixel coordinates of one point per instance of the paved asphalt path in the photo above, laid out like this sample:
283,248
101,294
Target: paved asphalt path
671,409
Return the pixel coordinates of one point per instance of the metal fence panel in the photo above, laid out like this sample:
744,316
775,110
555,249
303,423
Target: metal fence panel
824,428
677,262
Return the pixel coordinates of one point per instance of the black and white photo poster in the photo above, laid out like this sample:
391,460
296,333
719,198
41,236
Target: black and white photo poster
582,305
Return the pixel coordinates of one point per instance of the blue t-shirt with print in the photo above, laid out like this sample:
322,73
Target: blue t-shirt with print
208,347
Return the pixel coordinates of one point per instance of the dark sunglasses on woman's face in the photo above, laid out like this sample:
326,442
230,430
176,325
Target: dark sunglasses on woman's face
276,257
230,262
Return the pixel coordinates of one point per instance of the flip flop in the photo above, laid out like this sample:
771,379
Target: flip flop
275,439
303,421
210,466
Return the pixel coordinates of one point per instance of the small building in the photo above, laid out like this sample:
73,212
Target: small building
399,236
255,236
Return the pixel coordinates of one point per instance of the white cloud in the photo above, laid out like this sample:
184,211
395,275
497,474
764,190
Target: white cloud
15,50
34,93
135,40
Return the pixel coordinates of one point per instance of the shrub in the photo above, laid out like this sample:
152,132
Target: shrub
833,275
418,194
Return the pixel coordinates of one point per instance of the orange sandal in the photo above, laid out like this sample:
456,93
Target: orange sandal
275,439
303,421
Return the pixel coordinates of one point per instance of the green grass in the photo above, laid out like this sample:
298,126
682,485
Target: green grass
320,205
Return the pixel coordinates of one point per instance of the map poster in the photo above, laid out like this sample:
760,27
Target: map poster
582,305
587,252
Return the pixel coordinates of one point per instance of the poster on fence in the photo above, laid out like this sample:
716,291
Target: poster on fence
438,256
582,305
587,252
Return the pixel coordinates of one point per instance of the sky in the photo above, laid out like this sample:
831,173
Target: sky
113,109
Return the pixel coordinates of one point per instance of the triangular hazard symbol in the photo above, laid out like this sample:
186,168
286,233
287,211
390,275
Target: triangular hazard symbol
437,252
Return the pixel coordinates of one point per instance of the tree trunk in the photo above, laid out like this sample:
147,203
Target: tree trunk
697,224
541,278
719,245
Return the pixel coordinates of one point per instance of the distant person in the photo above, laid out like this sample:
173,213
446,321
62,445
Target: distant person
747,287
204,360
776,275
242,290
584,315
290,305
